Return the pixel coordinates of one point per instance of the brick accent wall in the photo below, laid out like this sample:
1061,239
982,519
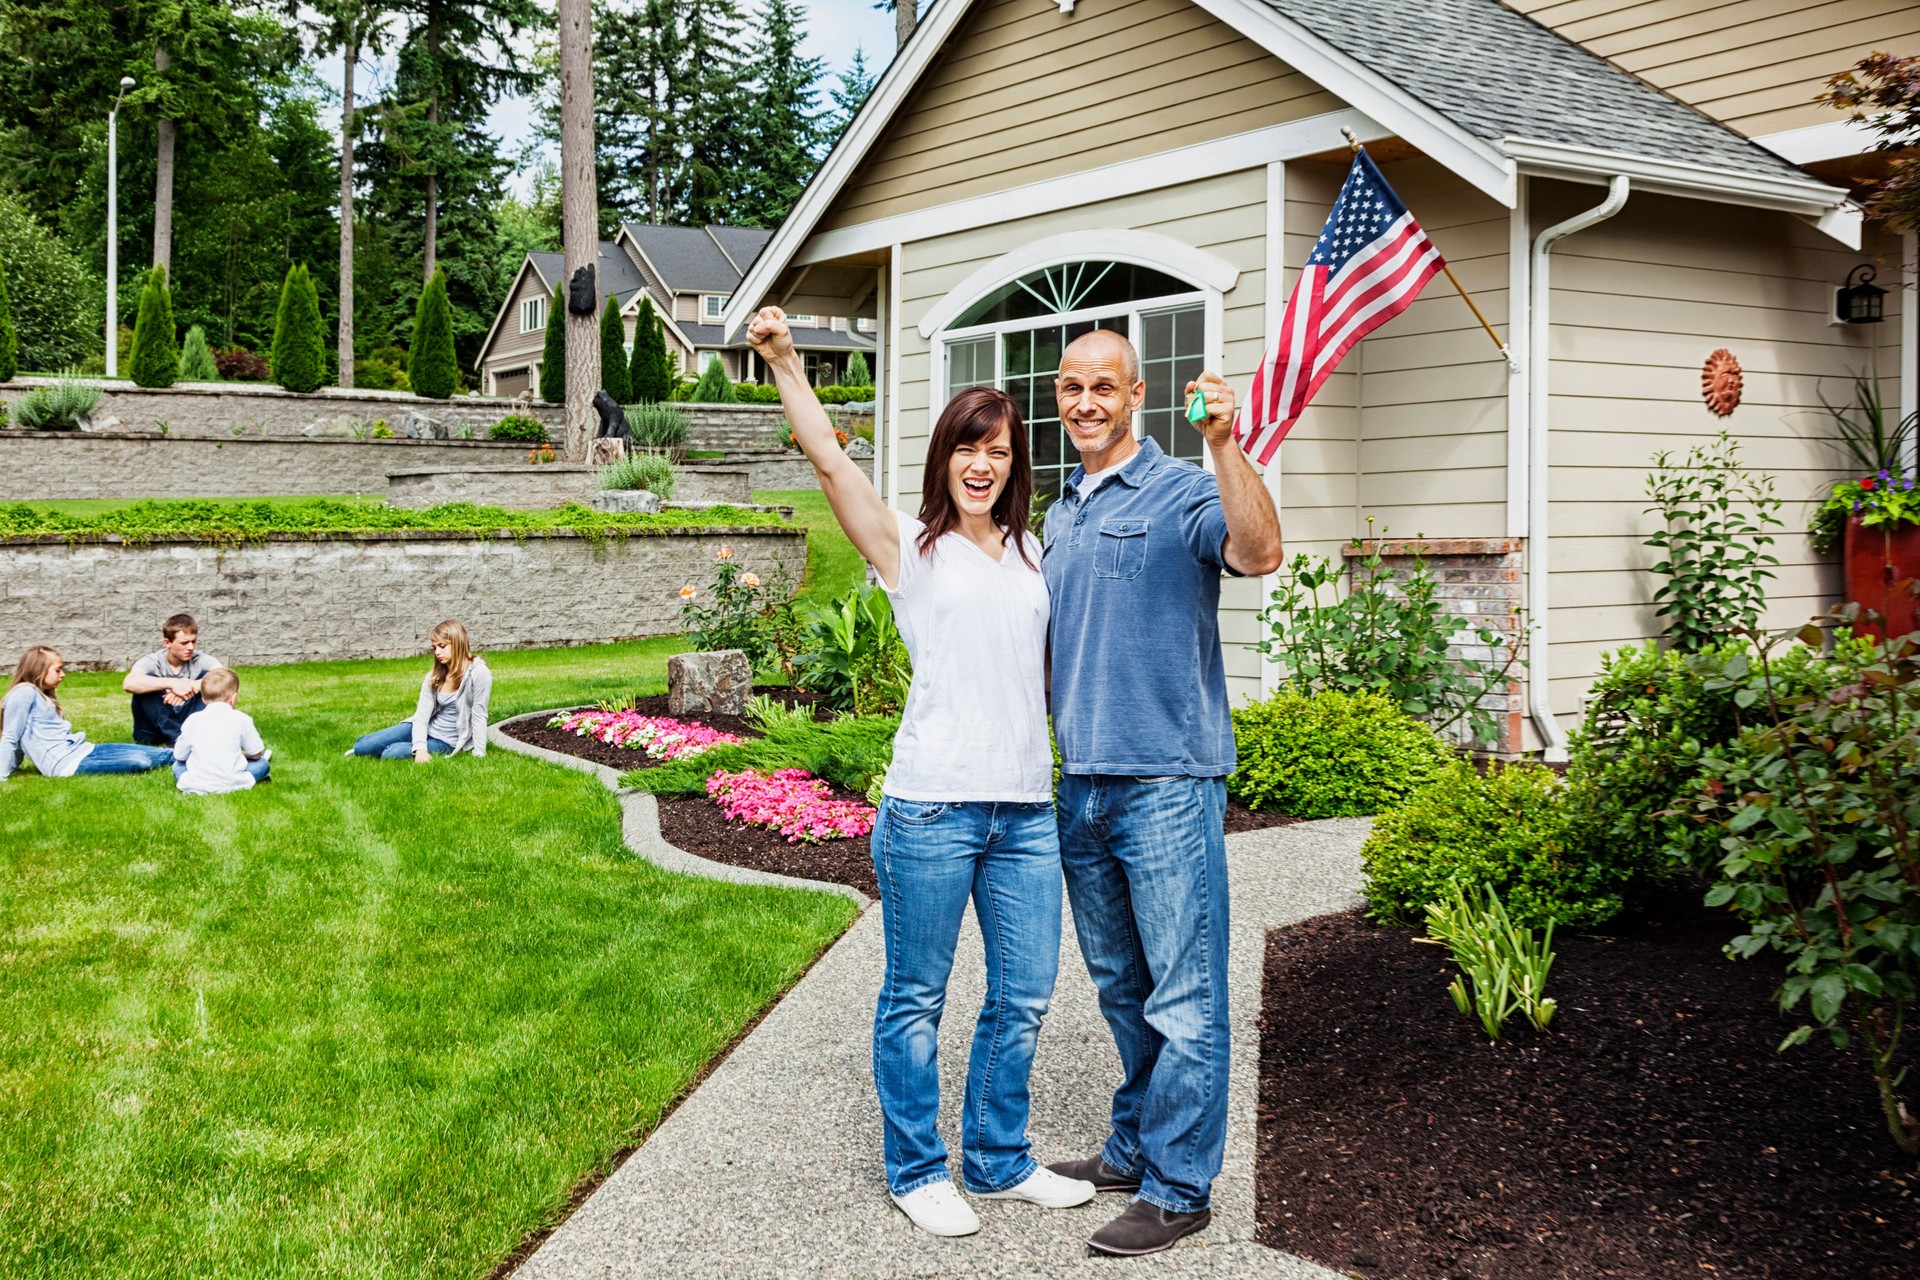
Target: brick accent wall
368,595
1483,582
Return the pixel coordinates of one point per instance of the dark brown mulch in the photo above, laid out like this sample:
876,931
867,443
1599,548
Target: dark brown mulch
695,823
626,759
1652,1131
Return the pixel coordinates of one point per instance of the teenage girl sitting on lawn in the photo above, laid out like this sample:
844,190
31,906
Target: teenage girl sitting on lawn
452,712
31,725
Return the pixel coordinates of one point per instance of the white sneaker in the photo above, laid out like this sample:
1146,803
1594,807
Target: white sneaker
938,1208
1046,1188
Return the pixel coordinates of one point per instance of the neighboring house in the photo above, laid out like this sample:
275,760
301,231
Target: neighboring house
691,273
1019,175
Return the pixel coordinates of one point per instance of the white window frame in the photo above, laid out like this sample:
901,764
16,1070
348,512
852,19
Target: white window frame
537,308
794,317
713,305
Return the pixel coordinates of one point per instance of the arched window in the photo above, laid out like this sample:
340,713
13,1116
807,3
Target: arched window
1013,336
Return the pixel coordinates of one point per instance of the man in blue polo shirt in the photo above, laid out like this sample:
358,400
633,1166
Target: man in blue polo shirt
1135,547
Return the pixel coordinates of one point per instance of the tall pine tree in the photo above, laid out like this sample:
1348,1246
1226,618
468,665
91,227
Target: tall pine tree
781,123
650,377
299,353
553,356
613,353
850,93
156,347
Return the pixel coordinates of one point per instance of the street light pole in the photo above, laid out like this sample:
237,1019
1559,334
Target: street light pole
113,230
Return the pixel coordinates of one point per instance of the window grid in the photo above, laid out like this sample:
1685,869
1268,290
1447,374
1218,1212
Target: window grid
533,314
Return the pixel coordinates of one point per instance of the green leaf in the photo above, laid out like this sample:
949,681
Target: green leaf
1826,994
1798,1036
1720,895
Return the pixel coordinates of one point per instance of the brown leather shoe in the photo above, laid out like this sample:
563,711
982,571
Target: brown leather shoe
1095,1170
1145,1228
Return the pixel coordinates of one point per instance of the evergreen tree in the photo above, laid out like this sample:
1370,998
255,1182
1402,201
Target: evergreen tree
432,368
714,387
9,344
858,375
299,353
781,127
553,358
613,353
850,94
156,347
650,379
196,358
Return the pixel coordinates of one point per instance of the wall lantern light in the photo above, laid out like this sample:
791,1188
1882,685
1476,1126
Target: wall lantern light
1862,302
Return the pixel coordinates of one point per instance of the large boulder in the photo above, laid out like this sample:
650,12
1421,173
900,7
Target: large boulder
626,501
420,426
341,426
858,448
713,683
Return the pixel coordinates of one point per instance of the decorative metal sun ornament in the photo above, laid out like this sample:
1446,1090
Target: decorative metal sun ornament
1720,382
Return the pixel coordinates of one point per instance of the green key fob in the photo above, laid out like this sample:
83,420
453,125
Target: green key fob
1197,407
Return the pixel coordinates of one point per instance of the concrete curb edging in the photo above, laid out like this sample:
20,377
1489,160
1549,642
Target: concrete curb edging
640,821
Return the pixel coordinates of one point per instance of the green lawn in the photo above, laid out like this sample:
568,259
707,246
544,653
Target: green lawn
368,1020
832,563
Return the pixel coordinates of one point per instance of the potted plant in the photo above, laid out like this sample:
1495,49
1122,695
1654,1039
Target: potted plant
1875,519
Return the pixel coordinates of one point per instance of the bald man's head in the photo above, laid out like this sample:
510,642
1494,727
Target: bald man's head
1106,344
1099,390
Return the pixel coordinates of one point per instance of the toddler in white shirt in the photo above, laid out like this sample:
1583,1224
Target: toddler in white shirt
218,749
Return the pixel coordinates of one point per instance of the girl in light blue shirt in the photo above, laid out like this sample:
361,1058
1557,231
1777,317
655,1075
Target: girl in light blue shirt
31,725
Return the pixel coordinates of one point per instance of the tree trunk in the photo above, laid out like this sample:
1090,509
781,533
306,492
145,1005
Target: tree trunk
163,182
579,218
906,14
350,57
433,178
433,226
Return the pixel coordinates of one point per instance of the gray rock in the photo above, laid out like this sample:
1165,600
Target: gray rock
860,406
715,683
342,426
626,501
420,426
858,448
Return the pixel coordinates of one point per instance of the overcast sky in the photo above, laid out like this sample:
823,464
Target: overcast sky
834,29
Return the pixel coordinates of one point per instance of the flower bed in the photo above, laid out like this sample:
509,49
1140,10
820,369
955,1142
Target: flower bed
660,737
793,802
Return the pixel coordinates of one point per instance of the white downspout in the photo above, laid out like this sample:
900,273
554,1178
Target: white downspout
1539,698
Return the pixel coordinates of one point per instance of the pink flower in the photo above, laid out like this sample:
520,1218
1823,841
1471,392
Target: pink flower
724,553
791,801
659,737
750,580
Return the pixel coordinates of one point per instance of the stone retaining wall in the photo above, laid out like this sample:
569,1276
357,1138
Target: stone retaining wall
366,595
93,464
522,488
752,428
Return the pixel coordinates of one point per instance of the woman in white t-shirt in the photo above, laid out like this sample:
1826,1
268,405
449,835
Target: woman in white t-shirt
967,811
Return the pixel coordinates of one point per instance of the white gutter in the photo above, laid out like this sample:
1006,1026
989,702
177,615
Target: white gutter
1539,697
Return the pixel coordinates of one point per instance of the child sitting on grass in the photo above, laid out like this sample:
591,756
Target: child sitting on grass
218,749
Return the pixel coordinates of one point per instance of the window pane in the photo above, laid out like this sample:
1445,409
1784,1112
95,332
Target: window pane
1168,366
1071,286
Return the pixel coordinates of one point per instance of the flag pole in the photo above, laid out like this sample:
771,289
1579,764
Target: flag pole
1513,364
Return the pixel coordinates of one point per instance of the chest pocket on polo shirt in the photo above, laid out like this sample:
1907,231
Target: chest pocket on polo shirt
1123,548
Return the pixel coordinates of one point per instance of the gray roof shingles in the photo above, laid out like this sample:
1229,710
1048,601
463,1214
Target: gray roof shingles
1499,74
689,259
617,274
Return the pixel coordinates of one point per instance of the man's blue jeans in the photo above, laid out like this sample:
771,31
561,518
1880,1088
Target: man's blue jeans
930,859
123,757
1146,872
396,743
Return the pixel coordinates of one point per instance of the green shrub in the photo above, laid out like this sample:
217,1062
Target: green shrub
843,395
381,374
649,374
1713,516
196,358
756,393
713,387
298,357
1331,755
850,652
649,471
858,375
62,406
849,751
58,303
433,369
553,357
156,347
613,353
3,415
9,341
520,427
1509,830
657,426
733,611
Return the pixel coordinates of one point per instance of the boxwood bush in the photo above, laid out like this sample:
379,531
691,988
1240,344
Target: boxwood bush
520,427
1510,829
1331,755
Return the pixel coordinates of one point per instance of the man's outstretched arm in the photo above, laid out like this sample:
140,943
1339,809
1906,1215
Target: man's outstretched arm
1253,544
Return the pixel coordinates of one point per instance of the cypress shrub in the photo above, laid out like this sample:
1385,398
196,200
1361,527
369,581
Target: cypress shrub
613,353
858,375
649,378
196,358
298,357
714,386
553,361
432,367
156,349
9,345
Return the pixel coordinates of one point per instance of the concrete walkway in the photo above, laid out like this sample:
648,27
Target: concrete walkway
772,1167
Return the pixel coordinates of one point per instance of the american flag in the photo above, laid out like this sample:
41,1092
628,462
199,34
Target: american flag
1371,260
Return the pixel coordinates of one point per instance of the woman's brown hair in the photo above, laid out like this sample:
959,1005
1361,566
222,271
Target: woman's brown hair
32,669
969,418
448,676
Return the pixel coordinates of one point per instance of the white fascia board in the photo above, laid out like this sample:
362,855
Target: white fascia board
896,82
1835,140
1475,160
1251,150
1829,208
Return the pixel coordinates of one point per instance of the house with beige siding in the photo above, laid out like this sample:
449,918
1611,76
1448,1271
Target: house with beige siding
1029,169
690,274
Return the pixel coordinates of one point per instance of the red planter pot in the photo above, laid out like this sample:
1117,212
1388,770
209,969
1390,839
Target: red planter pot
1879,564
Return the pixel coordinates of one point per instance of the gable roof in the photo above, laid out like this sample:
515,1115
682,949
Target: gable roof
706,259
617,275
1500,74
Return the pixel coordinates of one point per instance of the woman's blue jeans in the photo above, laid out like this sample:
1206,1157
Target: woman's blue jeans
397,743
124,757
931,859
